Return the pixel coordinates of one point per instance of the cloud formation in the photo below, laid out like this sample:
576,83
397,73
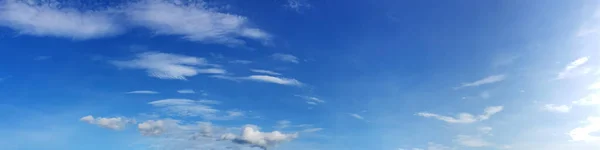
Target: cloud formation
168,66
142,92
297,5
285,58
195,108
186,91
252,136
356,116
268,72
557,108
116,123
192,20
486,80
46,18
471,141
272,79
585,133
572,70
464,117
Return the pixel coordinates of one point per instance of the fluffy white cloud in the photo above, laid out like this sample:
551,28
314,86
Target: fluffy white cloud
590,99
142,92
285,57
557,108
585,133
572,68
252,136
268,72
194,21
471,141
464,117
486,80
356,116
46,18
186,91
116,123
152,127
272,79
168,66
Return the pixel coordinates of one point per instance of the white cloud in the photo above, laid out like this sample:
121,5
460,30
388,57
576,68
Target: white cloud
471,141
311,100
194,21
265,72
557,108
297,5
46,18
252,136
152,127
116,123
212,71
590,99
168,66
142,92
186,91
585,133
285,57
356,116
240,62
312,130
195,108
572,70
464,117
276,80
486,80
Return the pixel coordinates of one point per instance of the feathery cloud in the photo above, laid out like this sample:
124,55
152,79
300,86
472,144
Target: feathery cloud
186,91
195,108
486,80
464,117
268,72
240,62
272,79
45,18
572,70
356,116
297,5
285,58
142,92
168,66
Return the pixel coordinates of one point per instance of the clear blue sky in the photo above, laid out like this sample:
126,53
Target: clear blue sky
300,75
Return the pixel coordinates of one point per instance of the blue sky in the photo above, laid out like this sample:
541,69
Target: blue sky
300,75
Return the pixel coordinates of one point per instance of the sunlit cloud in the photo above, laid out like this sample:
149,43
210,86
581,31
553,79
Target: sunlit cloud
486,80
557,108
168,66
574,68
116,123
464,117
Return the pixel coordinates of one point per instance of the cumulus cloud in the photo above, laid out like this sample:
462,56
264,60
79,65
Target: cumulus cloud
186,91
168,66
574,68
464,117
142,92
471,141
46,18
272,79
285,58
268,72
252,136
557,108
194,21
116,123
486,80
585,133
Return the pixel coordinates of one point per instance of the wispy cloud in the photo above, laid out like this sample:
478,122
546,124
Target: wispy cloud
116,123
464,117
240,62
486,80
168,66
186,91
557,108
311,100
195,108
272,79
572,68
356,116
471,141
297,5
285,58
194,21
45,18
268,72
252,136
142,92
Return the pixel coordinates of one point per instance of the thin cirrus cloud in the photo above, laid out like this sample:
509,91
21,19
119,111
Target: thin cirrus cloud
192,20
268,72
464,117
285,58
557,108
574,69
297,5
356,116
142,92
169,66
471,141
311,100
195,108
262,78
486,80
186,91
